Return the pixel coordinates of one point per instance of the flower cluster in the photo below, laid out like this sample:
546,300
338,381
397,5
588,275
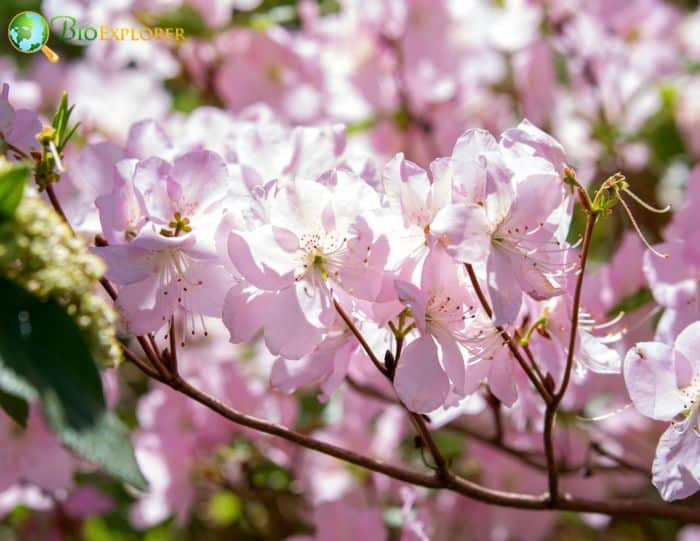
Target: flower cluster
422,233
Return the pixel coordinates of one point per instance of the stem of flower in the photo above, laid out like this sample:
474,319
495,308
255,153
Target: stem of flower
551,410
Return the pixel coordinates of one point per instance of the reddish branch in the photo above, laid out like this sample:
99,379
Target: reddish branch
551,409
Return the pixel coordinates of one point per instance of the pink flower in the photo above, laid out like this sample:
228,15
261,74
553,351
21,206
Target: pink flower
514,208
160,221
664,384
17,127
270,67
325,366
33,455
432,369
535,80
316,239
359,522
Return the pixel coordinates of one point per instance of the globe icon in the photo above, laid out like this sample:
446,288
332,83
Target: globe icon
29,32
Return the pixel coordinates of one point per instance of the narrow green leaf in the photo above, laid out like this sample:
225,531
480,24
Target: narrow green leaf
60,118
62,144
17,408
13,179
44,355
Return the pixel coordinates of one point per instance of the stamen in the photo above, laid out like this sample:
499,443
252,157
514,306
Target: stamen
605,416
644,204
639,231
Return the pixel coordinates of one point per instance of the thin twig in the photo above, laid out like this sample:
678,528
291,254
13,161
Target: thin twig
173,346
533,362
356,332
551,409
598,448
145,368
57,206
532,458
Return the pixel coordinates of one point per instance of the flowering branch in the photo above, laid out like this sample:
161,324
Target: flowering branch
326,258
444,480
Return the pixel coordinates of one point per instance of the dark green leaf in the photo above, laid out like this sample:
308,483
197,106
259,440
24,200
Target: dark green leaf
43,355
17,408
13,179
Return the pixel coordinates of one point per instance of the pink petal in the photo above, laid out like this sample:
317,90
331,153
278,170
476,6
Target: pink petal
504,290
244,312
651,381
127,264
676,469
288,330
260,259
672,281
420,382
464,231
415,299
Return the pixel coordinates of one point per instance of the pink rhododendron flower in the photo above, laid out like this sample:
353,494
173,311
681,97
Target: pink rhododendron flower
432,369
34,455
515,209
664,384
316,239
159,220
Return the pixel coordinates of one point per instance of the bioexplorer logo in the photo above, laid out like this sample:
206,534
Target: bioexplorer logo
29,32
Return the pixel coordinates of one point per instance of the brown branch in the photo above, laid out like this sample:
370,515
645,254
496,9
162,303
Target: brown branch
57,206
552,407
450,482
532,458
172,352
144,367
355,331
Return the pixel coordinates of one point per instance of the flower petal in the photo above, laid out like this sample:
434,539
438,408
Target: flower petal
651,381
506,295
676,469
420,382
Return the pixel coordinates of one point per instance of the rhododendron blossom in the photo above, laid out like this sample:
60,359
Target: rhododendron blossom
159,221
315,239
664,384
361,269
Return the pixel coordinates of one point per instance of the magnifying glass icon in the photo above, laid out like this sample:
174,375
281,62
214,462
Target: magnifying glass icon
29,32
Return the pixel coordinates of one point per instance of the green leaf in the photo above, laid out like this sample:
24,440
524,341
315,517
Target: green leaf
44,356
16,407
61,123
13,179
